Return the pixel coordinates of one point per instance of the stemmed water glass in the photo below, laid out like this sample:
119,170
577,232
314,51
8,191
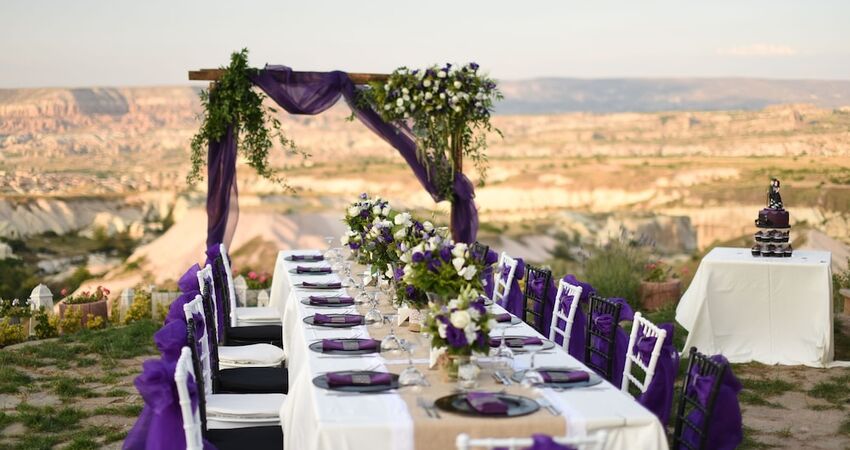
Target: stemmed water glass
390,343
531,377
504,356
329,254
411,376
374,316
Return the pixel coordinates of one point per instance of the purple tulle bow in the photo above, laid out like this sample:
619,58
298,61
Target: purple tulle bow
725,432
658,397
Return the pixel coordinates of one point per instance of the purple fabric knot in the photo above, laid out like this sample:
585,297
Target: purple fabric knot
537,285
189,280
175,310
644,347
170,340
603,322
506,272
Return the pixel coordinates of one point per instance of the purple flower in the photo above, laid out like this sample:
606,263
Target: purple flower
473,66
409,290
364,196
455,337
478,305
434,264
354,245
398,273
446,254
364,214
417,257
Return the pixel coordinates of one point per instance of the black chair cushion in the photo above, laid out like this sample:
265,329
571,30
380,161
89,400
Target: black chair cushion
254,380
262,334
253,438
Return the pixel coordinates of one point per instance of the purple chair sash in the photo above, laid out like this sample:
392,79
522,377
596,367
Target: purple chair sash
160,425
604,323
170,339
488,274
213,251
189,280
577,334
658,397
725,432
175,310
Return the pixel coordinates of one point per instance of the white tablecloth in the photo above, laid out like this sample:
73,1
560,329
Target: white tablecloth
313,420
770,310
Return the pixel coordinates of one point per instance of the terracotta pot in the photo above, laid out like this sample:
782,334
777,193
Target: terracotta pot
97,309
655,295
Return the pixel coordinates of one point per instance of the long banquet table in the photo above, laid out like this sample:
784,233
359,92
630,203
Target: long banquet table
316,419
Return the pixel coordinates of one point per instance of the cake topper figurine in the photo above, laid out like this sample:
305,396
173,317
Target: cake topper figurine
774,200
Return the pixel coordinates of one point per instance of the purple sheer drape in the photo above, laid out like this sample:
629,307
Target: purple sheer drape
658,397
311,93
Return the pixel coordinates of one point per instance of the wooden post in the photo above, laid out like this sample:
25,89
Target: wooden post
215,74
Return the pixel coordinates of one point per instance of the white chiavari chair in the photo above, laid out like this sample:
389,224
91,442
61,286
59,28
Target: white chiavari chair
649,330
566,292
502,286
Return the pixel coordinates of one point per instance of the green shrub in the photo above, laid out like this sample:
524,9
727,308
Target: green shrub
140,309
46,326
11,333
71,322
94,322
616,270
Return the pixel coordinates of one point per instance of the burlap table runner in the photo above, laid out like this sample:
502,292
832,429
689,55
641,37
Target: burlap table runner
440,434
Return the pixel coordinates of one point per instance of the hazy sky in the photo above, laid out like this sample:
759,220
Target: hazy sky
88,42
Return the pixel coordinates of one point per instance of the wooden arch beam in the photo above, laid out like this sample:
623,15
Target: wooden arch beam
215,74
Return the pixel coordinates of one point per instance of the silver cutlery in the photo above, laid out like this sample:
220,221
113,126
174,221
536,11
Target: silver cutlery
544,402
433,408
505,379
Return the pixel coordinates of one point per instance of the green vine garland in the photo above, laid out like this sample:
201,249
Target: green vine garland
234,101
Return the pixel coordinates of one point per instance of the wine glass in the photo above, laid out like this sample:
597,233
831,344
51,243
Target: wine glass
329,254
504,356
390,343
531,377
374,316
411,376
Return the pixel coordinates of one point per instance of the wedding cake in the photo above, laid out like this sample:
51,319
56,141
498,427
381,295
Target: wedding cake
774,235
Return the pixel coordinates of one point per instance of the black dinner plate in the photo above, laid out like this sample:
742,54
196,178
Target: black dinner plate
592,381
322,382
318,258
547,344
320,287
309,321
296,272
517,405
306,301
317,347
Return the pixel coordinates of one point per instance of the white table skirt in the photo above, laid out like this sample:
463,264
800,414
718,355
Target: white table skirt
769,310
313,420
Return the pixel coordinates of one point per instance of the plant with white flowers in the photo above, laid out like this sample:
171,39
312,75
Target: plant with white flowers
360,216
448,109
461,326
408,233
443,267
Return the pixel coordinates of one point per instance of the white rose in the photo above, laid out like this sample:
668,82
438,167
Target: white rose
459,319
405,91
353,211
406,98
441,329
458,264
399,102
426,83
402,218
405,258
441,74
343,240
442,95
376,209
428,226
400,234
459,250
457,108
453,304
428,96
474,314
457,84
386,211
470,272
389,273
470,331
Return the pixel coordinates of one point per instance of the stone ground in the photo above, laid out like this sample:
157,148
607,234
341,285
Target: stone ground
77,393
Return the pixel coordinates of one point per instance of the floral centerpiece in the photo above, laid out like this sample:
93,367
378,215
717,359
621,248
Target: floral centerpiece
408,233
442,268
459,328
660,285
360,217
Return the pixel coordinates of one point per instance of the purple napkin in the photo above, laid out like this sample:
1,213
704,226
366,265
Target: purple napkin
307,258
302,269
504,317
349,345
516,342
318,300
486,403
358,379
335,285
564,376
341,318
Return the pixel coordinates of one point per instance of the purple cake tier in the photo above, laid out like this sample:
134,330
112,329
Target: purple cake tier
772,218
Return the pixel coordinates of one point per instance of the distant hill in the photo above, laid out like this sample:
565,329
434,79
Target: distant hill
561,95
